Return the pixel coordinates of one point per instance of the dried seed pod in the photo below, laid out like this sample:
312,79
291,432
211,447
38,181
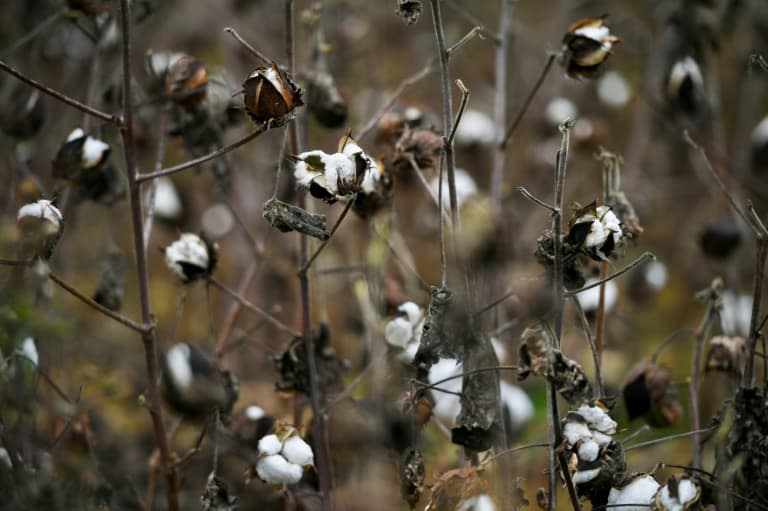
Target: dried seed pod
424,145
286,217
294,368
270,93
573,259
412,476
111,288
444,331
191,257
23,113
193,385
324,100
586,46
186,81
726,354
409,11
647,393
720,238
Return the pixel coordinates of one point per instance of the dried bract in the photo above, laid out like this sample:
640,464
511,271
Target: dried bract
286,217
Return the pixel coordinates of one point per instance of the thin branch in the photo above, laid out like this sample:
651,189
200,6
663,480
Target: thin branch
748,379
411,80
693,382
260,129
234,310
423,180
667,438
69,288
308,263
528,195
500,98
265,60
32,34
557,222
519,117
592,347
759,229
632,436
497,301
134,192
482,32
255,308
422,283
513,450
634,264
424,386
666,342
60,96
462,106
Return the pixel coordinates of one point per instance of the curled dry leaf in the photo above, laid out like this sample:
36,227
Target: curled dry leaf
647,393
286,217
455,486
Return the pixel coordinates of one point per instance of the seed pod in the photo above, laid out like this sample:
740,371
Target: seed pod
678,494
269,93
186,82
596,230
586,46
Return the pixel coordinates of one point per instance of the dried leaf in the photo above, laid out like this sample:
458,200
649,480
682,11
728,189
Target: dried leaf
287,217
454,487
647,393
446,329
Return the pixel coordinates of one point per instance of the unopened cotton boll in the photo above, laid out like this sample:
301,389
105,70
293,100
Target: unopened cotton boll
274,469
636,495
475,129
297,451
269,445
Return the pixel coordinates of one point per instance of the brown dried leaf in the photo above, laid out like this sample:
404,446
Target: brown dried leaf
455,486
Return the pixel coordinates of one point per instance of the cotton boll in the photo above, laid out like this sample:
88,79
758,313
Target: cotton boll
598,419
398,332
177,361
28,350
656,275
736,313
601,438
687,493
596,235
447,406
573,432
340,172
270,444
189,257
5,458
465,188
585,476
475,129
560,109
639,491
297,451
167,201
413,312
274,469
254,412
40,213
589,451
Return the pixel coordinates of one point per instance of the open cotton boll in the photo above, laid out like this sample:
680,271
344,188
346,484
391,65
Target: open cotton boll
573,432
177,361
589,450
254,412
340,172
601,438
447,406
43,210
297,451
613,90
413,312
635,495
274,469
188,257
656,275
686,68
585,476
270,444
167,201
475,129
597,419
687,493
28,350
590,298
560,109
398,332
736,313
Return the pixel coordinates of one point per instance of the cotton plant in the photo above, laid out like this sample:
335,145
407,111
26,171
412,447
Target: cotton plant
283,457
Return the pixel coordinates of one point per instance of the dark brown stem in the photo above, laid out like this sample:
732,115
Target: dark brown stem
748,379
519,117
60,96
308,263
69,288
216,153
693,382
149,339
634,264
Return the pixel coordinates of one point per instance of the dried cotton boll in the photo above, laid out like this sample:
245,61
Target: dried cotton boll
158,63
613,90
190,257
275,469
596,230
476,129
726,354
598,419
270,93
41,225
586,47
635,495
